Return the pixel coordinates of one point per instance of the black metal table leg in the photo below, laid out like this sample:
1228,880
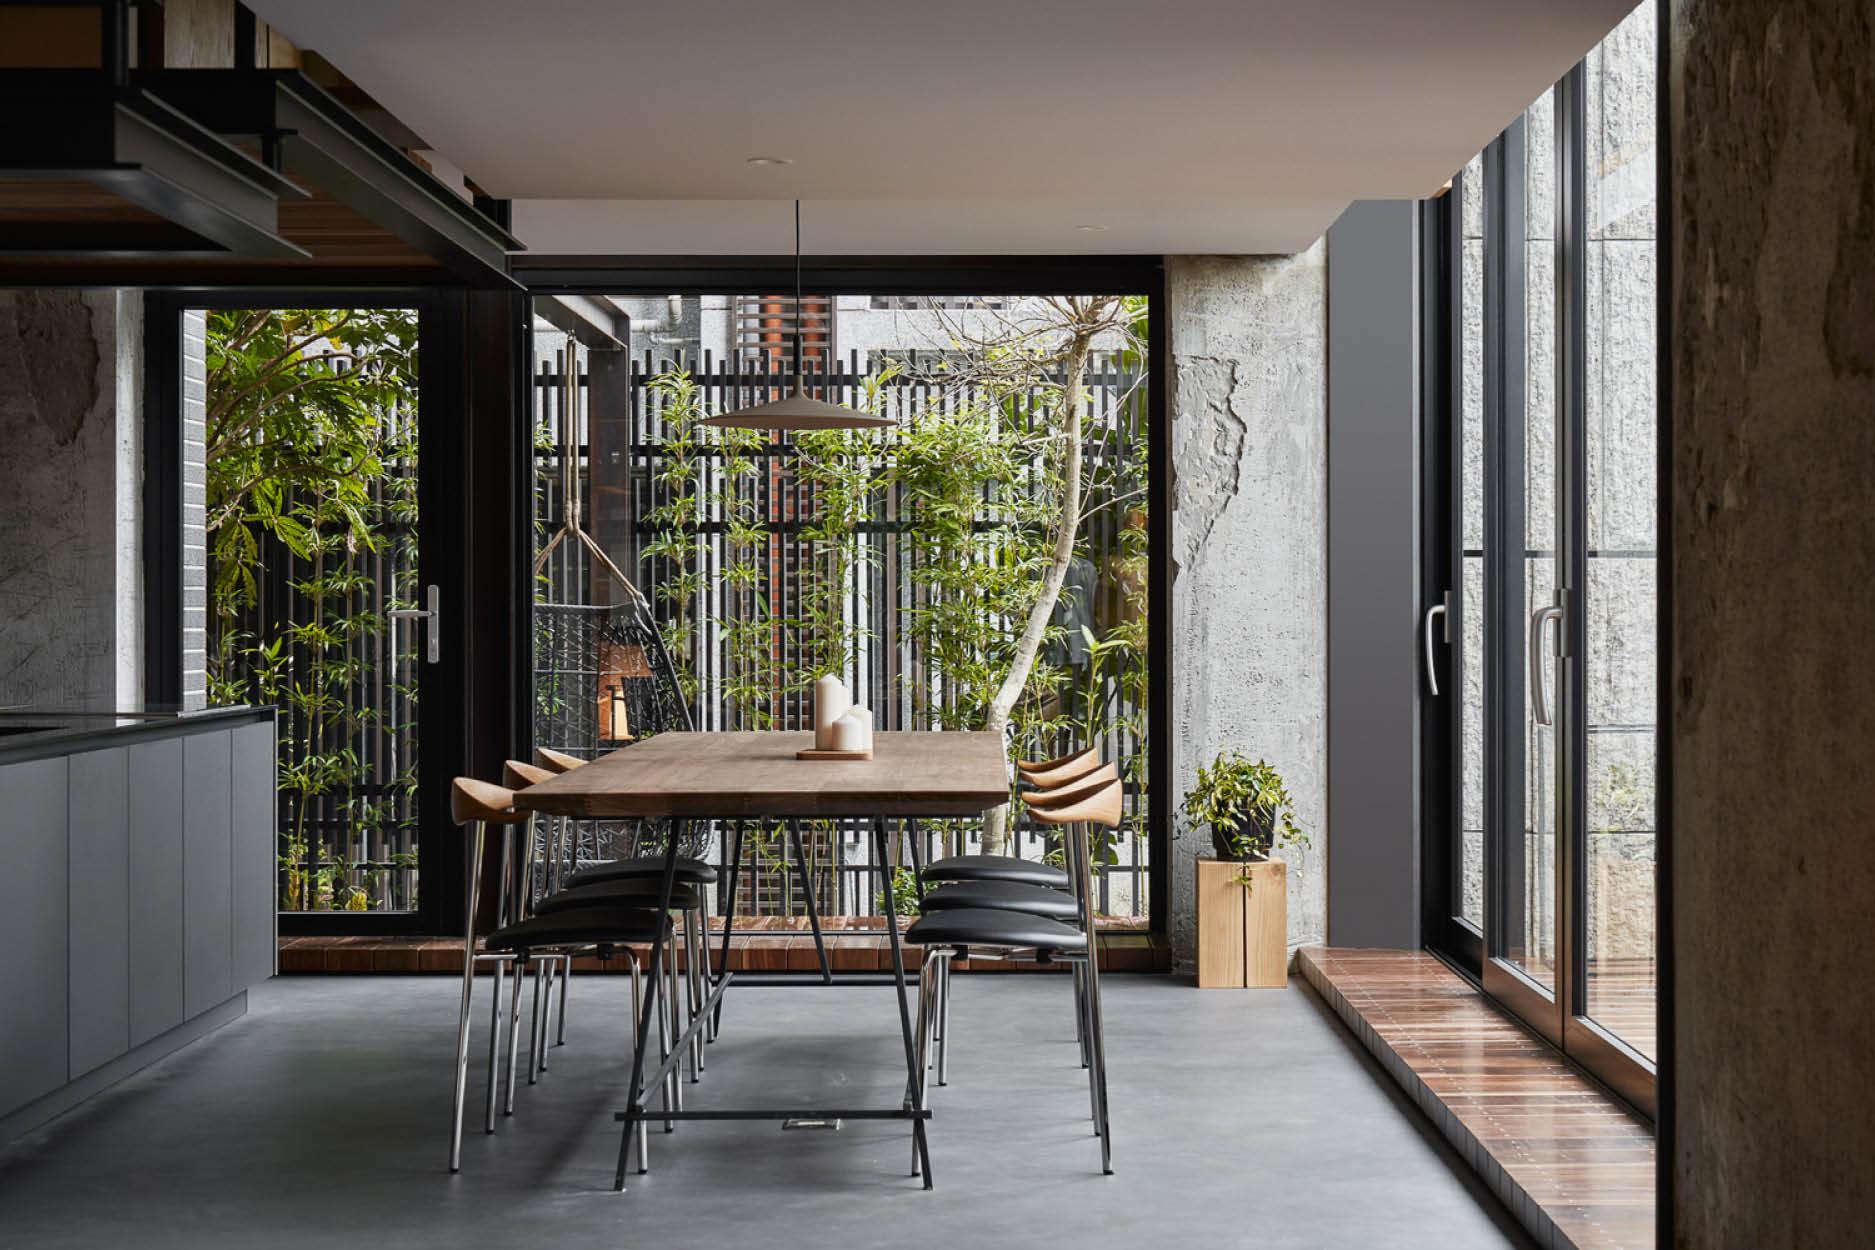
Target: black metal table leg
729,916
904,1008
634,1107
913,838
807,890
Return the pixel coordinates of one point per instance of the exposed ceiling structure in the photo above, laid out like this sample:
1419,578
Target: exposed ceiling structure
963,127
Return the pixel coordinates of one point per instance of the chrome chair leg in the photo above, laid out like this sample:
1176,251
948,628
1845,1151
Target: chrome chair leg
514,1031
566,979
693,988
661,1008
944,1022
462,1063
637,1007
494,1047
929,977
537,1023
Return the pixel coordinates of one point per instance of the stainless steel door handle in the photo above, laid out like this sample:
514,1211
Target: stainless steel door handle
432,617
1540,710
1443,611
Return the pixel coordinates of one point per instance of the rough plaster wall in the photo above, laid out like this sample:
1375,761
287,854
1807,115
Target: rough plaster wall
1773,546
70,625
1249,545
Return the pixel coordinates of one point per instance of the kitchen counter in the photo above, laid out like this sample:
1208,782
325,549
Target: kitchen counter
137,905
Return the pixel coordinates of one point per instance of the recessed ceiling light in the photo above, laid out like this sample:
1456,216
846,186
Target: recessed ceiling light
1091,229
769,160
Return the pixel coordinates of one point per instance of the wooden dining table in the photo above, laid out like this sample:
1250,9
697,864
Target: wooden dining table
737,776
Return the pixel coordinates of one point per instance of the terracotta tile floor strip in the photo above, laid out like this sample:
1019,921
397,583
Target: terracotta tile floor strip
1571,1163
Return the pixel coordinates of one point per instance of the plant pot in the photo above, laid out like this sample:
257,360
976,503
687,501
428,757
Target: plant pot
1256,829
1243,924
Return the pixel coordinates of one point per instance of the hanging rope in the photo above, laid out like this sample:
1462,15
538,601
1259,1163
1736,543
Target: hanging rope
572,503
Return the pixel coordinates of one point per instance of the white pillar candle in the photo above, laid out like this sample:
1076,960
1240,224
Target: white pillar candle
864,717
849,734
830,703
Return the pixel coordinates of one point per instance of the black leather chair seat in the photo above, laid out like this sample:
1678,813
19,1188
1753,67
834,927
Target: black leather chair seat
996,868
630,892
985,926
691,871
1031,900
589,926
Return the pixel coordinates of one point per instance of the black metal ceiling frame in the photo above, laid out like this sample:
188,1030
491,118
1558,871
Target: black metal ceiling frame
148,153
302,128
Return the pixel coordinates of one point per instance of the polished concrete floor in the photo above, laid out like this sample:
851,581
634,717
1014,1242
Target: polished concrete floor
1244,1118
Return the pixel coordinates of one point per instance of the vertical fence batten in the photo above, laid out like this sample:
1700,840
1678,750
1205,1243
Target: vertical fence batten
884,666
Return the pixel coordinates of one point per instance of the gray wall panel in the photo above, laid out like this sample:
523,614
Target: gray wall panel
155,912
254,854
98,916
1373,598
207,871
32,931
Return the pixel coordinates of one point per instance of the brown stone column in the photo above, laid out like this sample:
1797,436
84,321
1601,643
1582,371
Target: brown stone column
1772,505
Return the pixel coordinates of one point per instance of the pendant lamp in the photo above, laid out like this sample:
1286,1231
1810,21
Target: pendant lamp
799,410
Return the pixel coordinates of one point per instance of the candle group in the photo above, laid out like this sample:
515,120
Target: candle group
838,725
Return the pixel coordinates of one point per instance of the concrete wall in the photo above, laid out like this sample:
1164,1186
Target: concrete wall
1375,673
70,493
1249,427
1772,214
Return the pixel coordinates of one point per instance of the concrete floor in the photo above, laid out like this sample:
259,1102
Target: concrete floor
1240,1119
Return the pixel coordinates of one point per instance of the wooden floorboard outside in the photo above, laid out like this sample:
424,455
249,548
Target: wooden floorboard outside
1570,1161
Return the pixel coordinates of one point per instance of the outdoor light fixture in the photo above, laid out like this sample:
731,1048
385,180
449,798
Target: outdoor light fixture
799,411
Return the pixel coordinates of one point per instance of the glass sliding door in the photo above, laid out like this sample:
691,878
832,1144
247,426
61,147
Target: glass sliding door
1550,561
1622,558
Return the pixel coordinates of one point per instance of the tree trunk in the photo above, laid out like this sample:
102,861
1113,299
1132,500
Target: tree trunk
1067,529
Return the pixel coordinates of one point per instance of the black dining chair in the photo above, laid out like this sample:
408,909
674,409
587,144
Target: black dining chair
972,932
518,941
1048,902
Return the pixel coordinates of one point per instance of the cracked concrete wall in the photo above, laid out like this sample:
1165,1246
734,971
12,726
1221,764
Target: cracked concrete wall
1773,580
70,498
1249,546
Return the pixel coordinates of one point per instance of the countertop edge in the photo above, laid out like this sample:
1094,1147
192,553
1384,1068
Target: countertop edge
76,739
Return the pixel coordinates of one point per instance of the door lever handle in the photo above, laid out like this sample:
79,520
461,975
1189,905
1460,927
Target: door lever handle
1540,710
1443,612
432,617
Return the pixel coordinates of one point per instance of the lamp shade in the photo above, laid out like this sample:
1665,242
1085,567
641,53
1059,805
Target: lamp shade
798,411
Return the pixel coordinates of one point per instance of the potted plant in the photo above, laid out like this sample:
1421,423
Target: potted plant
1242,895
1246,806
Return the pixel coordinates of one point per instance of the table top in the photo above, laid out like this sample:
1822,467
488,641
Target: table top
756,774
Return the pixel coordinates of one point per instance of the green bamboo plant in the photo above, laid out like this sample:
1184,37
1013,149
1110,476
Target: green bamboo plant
311,451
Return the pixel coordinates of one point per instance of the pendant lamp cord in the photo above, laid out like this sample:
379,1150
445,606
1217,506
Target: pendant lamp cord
798,382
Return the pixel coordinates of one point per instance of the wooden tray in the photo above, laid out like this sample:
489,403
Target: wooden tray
813,753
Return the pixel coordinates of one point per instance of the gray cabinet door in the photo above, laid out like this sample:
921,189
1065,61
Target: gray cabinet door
98,915
155,912
254,854
207,871
32,931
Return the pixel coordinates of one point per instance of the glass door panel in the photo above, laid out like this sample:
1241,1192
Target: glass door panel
1468,654
1532,919
1619,658
315,599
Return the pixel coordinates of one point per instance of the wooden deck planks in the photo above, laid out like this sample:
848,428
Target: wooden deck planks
1574,1166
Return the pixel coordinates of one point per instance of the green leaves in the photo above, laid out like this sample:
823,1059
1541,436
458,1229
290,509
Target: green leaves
1244,803
311,437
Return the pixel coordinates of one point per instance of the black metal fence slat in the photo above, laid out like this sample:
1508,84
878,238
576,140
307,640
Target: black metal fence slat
885,666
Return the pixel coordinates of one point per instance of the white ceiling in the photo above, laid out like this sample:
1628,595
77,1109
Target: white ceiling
948,126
